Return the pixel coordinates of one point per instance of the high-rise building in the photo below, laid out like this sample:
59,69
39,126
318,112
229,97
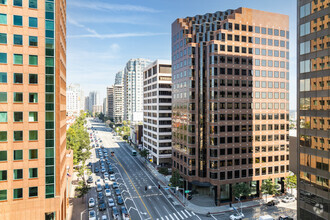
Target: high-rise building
313,109
97,109
33,155
133,87
105,106
86,104
94,99
110,91
75,101
230,102
118,103
119,78
157,111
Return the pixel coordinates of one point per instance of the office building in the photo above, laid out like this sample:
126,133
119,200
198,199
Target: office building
157,111
230,102
110,102
119,78
75,101
94,99
105,106
133,87
118,103
97,109
34,161
313,110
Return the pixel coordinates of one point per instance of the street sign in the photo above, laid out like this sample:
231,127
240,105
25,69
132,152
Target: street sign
187,191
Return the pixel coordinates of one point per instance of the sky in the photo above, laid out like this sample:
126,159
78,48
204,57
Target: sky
102,35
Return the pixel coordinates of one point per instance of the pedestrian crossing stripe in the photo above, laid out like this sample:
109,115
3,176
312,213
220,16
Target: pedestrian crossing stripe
184,214
178,215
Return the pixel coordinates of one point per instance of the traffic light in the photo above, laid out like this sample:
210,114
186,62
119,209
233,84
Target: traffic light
146,188
158,186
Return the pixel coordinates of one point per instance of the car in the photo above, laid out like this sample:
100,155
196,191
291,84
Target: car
102,146
112,177
120,200
102,206
92,215
103,170
104,217
107,192
90,179
106,175
106,179
106,154
124,213
111,171
100,195
105,151
285,218
111,202
108,161
89,164
288,199
106,186
115,185
100,141
273,202
115,212
117,192
237,216
91,202
96,170
98,188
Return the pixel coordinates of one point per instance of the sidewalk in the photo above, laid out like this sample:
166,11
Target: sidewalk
190,206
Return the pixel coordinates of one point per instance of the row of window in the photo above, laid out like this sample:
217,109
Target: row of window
18,117
18,155
18,59
18,40
18,174
19,3
242,128
18,136
18,78
18,20
18,193
18,97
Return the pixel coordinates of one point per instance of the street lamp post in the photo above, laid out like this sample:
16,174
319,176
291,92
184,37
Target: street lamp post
240,203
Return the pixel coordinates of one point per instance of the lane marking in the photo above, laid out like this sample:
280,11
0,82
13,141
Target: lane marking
187,212
171,216
184,214
176,216
180,215
193,213
166,218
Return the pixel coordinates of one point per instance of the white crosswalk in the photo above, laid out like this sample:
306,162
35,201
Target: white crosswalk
180,215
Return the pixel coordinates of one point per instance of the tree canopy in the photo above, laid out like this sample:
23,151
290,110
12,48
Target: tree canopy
241,189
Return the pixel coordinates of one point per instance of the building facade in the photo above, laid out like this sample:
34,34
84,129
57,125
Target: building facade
118,103
313,110
119,78
33,156
110,103
133,87
94,99
75,101
230,101
97,109
157,111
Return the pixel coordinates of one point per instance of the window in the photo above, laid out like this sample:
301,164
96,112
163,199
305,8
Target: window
3,138
18,39
18,97
18,20
18,78
3,57
3,175
3,195
305,10
18,116
3,117
33,154
18,193
18,154
33,41
305,29
3,97
33,135
3,19
33,60
33,191
33,116
33,22
33,78
33,4
3,77
18,174
33,172
3,154
18,135
3,2
33,97
17,3
3,38
18,59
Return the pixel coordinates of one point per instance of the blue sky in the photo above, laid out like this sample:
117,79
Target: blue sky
104,34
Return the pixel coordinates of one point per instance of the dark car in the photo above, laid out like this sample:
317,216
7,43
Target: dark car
96,170
106,186
117,191
272,202
102,205
111,170
285,218
120,200
100,195
90,179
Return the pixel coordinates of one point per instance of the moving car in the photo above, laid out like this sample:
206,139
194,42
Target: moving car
100,195
112,177
98,188
288,199
111,202
124,213
266,217
273,202
92,215
91,202
103,170
285,218
106,179
120,200
115,185
104,217
96,170
102,206
237,216
117,191
111,171
106,186
107,192
115,212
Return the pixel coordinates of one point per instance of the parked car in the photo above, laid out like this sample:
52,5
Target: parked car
107,192
120,200
117,191
115,212
92,215
91,202
273,202
288,199
237,216
115,185
112,177
90,179
285,218
111,202
124,213
266,217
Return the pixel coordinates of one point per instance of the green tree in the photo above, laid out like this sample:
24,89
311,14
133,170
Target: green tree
144,153
241,189
268,187
163,170
291,182
101,116
176,179
82,189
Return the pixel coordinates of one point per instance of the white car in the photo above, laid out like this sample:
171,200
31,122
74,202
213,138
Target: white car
106,179
237,216
288,199
91,203
112,177
107,192
111,202
98,181
104,217
92,215
106,175
102,170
